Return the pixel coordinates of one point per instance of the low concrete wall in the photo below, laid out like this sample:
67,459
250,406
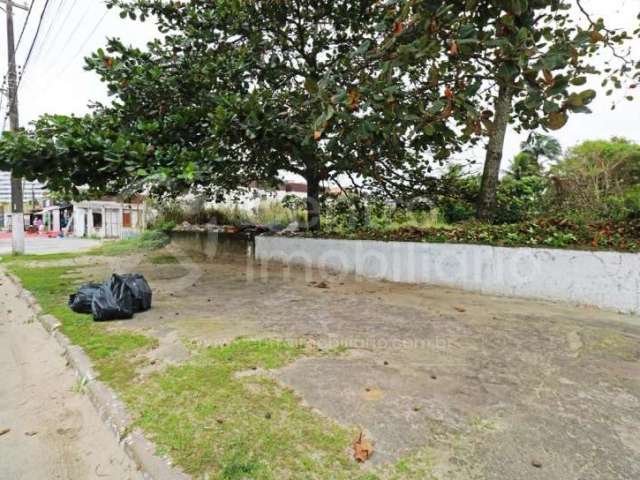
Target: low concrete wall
609,280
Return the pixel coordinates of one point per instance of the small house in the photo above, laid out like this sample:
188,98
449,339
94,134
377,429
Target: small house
107,219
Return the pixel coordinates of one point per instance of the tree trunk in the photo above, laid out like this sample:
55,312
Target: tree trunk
490,176
313,202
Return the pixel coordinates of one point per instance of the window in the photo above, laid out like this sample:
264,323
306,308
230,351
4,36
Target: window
97,220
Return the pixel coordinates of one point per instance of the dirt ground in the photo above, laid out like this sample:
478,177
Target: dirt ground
483,387
51,430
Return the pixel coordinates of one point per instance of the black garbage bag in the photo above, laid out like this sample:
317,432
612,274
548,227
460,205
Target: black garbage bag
80,302
140,290
113,301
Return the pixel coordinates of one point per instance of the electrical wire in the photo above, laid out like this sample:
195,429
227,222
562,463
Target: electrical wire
24,25
69,37
33,42
53,41
83,44
43,42
86,39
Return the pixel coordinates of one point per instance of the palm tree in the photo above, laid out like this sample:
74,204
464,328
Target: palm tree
539,145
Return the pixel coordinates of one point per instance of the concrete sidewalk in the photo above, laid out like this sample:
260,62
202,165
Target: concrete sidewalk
44,245
51,430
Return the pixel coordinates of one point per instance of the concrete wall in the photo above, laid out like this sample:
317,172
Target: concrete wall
607,280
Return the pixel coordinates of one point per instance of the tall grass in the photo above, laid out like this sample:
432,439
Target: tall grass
266,213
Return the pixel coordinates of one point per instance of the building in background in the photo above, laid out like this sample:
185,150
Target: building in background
107,218
34,193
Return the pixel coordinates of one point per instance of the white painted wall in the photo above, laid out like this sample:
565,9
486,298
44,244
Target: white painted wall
609,280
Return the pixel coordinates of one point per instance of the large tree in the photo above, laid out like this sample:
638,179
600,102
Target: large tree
240,90
496,62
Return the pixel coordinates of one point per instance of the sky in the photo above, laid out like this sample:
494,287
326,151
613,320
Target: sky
55,81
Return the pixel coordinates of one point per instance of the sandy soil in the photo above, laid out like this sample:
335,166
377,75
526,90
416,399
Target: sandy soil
53,430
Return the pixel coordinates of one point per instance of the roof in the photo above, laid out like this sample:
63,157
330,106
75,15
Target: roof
105,204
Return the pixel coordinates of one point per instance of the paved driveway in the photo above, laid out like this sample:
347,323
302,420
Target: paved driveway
42,245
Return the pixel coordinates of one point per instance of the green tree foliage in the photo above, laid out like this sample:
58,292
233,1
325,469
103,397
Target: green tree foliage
542,146
523,165
529,161
236,90
599,179
521,195
253,88
519,61
69,152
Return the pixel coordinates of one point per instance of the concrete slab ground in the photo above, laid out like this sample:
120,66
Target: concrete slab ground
479,386
43,245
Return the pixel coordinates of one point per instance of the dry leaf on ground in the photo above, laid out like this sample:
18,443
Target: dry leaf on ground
362,449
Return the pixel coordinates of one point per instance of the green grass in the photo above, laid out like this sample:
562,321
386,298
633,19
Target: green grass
113,353
200,413
163,260
149,240
52,257
212,422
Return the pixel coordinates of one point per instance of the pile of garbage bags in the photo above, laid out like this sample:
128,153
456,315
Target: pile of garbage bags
119,298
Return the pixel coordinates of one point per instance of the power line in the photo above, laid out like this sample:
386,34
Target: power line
76,26
84,43
24,25
70,36
43,42
86,39
33,43
51,44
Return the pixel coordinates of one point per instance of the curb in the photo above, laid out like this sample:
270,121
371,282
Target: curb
110,408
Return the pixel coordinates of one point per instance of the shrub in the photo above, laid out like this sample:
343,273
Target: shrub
557,233
520,199
598,180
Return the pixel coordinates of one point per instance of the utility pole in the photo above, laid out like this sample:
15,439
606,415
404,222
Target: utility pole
17,200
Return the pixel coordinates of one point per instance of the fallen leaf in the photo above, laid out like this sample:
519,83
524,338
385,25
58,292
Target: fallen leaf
362,449
4,431
460,309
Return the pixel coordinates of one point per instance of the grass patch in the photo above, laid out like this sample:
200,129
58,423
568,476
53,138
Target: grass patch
163,260
149,240
51,257
210,421
113,353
